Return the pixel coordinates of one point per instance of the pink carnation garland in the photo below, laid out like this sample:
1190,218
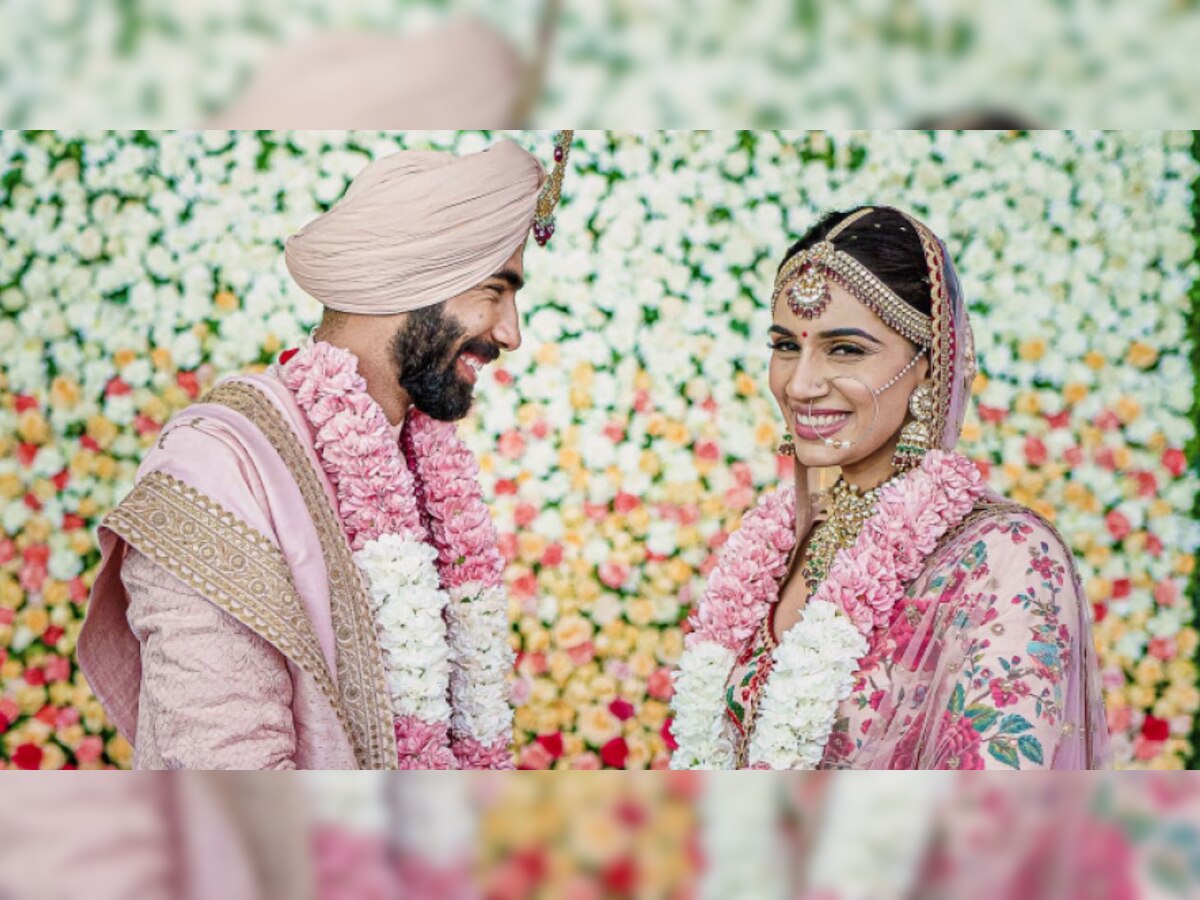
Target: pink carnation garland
865,581
377,495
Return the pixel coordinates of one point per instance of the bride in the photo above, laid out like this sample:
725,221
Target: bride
909,617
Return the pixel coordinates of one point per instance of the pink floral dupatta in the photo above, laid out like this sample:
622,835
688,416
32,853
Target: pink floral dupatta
989,659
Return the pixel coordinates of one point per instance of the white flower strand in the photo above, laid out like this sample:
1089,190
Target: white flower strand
408,602
813,672
699,708
480,660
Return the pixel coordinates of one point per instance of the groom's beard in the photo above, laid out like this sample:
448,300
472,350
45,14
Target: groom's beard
425,352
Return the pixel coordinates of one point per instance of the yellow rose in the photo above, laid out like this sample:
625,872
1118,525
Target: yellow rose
36,619
1075,393
640,611
525,719
642,664
55,593
560,666
81,542
120,751
670,646
101,430
597,725
652,714
30,698
11,485
1141,697
87,508
1032,349
1141,355
33,427
1094,359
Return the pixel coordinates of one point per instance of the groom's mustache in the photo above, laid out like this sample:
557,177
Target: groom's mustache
484,349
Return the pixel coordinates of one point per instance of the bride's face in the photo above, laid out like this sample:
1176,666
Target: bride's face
835,361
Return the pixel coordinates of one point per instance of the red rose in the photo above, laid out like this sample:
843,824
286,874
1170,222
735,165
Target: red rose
1156,729
622,709
28,756
991,414
191,384
26,453
24,403
1175,461
61,480
89,443
668,738
626,503
283,359
615,753
52,635
72,522
1035,451
524,514
553,555
506,486
1118,525
116,388
502,376
553,743
1121,588
35,677
621,877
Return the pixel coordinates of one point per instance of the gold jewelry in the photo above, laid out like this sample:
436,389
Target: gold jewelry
848,513
787,447
805,278
916,438
543,216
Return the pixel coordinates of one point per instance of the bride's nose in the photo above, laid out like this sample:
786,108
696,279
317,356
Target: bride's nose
808,381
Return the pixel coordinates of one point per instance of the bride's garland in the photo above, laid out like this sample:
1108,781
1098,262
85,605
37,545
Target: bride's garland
424,542
815,663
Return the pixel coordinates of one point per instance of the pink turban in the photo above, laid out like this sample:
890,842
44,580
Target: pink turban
417,228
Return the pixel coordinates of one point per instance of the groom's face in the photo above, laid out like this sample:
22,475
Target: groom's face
440,350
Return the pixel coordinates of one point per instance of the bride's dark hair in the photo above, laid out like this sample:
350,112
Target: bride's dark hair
886,243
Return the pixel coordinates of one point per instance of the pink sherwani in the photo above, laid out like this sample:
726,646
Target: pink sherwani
228,627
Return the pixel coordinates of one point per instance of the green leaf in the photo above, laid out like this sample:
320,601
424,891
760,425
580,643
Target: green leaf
1031,748
982,717
957,700
1015,724
1005,752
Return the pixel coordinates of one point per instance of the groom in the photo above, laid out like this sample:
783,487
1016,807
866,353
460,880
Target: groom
305,575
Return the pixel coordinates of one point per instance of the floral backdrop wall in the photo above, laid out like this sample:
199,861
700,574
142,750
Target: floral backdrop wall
623,441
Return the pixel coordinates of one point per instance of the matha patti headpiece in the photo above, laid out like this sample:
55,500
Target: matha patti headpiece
804,279
543,217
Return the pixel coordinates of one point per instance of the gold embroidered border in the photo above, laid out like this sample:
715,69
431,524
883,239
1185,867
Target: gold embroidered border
232,565
941,350
362,684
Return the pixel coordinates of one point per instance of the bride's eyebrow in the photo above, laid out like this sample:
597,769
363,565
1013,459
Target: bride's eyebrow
779,329
848,332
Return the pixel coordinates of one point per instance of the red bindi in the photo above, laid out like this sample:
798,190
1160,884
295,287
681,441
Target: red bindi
804,334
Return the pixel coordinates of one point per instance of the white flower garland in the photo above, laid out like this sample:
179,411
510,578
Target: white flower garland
813,672
699,726
481,659
407,601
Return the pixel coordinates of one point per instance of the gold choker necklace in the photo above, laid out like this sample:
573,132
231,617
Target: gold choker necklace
849,510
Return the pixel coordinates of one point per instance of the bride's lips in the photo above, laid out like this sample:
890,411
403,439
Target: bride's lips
825,423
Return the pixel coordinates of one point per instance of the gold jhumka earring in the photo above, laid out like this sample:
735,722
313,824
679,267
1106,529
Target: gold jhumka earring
787,447
916,438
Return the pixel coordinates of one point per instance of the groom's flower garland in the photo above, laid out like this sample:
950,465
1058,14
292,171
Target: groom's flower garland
448,682
815,662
